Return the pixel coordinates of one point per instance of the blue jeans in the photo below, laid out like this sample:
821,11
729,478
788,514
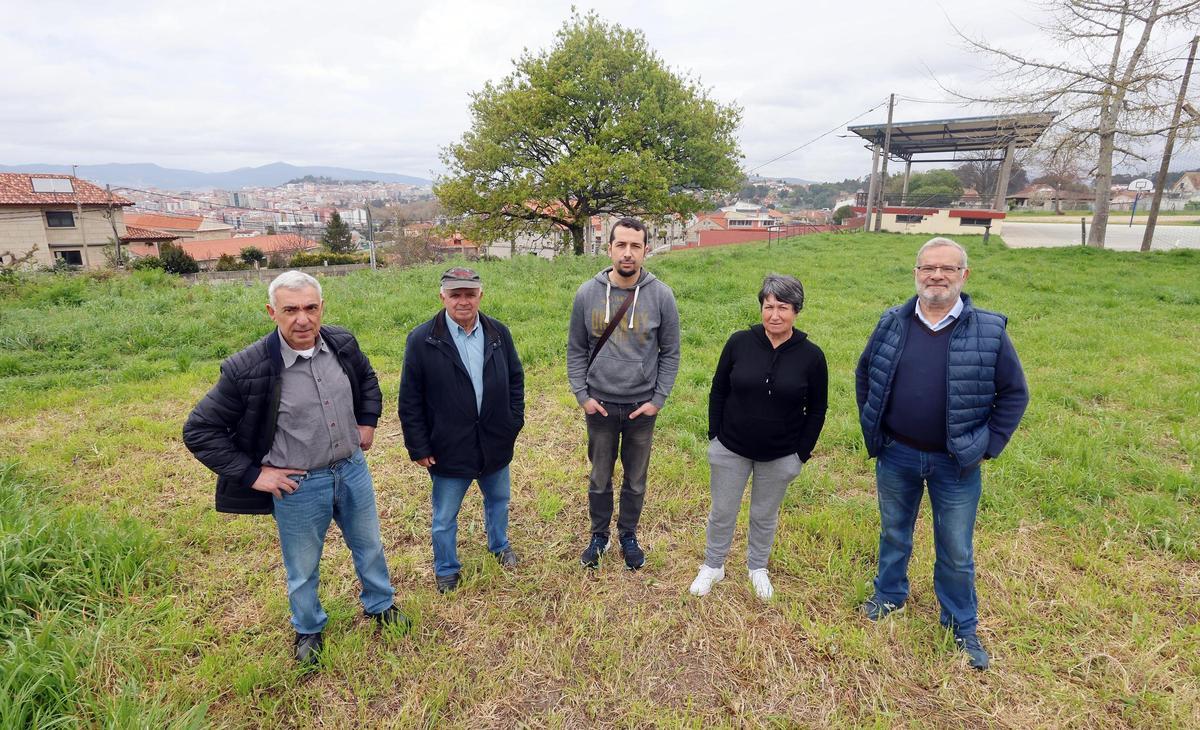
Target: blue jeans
341,492
448,493
901,472
609,436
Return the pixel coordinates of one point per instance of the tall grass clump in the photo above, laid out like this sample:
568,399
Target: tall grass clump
63,573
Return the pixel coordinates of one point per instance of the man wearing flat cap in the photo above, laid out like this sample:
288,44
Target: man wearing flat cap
462,404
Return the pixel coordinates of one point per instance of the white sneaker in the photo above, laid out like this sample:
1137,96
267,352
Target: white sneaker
705,579
762,584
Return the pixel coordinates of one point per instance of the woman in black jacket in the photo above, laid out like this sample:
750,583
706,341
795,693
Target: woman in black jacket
765,411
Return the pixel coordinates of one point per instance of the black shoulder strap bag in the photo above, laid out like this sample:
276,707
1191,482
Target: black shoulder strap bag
612,325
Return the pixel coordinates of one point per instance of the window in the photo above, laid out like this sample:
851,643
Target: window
977,221
909,218
60,218
70,258
740,223
52,185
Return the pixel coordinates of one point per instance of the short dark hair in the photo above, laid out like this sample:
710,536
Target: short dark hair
786,289
631,223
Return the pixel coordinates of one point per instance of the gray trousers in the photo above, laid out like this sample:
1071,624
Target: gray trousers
727,482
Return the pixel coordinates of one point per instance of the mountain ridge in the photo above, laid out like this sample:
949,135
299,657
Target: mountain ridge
148,174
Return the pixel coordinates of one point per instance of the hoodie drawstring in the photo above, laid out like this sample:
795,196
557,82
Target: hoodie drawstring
608,302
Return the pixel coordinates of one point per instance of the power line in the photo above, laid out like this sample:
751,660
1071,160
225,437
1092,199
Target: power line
818,137
926,101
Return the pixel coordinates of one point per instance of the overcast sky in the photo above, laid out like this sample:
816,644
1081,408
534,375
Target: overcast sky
383,86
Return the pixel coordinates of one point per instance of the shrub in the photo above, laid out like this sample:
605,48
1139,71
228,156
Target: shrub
147,263
321,258
177,261
228,263
251,254
67,292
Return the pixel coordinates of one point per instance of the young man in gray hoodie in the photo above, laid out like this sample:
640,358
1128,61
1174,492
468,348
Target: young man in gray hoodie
622,384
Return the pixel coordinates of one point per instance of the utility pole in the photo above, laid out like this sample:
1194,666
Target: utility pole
87,260
371,235
1160,182
871,187
112,219
887,152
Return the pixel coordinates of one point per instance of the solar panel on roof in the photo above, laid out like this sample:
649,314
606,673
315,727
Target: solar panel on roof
52,185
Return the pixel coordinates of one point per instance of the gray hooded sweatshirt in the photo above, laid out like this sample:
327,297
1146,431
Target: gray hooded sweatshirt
641,358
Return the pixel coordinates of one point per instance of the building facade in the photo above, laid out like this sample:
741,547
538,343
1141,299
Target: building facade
58,218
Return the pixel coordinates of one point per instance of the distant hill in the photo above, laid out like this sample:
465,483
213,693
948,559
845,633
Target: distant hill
139,175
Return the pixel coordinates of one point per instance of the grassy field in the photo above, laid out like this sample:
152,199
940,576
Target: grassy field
126,601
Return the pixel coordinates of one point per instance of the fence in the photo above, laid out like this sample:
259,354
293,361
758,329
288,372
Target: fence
774,233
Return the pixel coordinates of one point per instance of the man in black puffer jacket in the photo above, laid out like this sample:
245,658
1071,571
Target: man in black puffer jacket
285,429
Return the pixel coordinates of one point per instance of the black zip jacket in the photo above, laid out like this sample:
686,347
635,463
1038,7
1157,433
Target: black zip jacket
767,402
232,428
437,401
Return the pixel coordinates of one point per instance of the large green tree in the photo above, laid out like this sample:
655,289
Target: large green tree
595,125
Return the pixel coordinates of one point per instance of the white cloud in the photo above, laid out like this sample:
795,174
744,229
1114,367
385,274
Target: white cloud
383,86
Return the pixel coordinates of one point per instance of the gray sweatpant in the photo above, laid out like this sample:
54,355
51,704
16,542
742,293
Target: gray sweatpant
727,482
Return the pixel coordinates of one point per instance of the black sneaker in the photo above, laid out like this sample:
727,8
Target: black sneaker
634,556
392,616
595,550
876,609
970,645
307,649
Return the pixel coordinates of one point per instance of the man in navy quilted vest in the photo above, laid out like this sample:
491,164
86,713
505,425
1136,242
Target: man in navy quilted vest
940,389
285,429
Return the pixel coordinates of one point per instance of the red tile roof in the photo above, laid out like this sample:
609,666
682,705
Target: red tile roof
164,222
16,188
136,233
457,241
212,250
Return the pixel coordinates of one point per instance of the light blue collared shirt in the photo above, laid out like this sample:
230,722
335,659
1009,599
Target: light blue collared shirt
470,349
944,322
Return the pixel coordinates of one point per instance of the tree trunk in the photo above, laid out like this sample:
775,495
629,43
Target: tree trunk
1103,182
1107,124
1109,112
577,238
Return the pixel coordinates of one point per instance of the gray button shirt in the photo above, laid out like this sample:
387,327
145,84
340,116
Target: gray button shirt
316,424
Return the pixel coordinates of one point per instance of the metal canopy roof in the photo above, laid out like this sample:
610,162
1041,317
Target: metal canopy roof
958,135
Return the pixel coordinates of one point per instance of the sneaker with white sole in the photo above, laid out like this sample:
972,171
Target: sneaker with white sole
762,584
705,580
876,609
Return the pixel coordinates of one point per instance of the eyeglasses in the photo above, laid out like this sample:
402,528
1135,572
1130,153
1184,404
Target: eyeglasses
927,270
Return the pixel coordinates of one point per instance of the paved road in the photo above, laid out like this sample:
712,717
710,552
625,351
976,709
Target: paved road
1121,236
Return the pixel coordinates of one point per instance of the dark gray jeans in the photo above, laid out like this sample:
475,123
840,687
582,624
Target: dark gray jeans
609,436
727,482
